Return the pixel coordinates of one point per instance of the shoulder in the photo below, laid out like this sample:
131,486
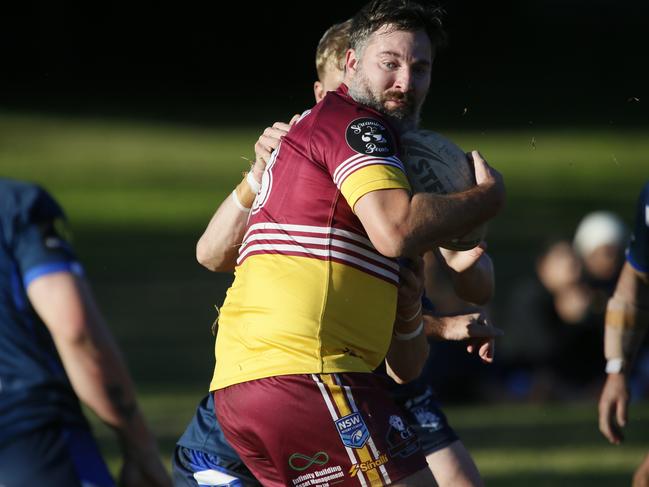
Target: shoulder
364,130
27,201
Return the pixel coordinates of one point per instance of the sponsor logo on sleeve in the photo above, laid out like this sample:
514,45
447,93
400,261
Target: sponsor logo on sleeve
352,430
369,136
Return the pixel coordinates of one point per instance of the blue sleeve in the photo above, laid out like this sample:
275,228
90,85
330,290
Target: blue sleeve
40,241
638,252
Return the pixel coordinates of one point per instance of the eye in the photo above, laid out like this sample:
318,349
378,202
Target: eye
390,65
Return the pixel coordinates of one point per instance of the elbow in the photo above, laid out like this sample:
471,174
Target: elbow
391,249
404,376
73,332
410,369
392,244
205,258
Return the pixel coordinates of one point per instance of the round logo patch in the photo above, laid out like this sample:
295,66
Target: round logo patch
371,137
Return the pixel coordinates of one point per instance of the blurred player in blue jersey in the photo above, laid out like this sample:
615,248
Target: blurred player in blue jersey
54,349
627,320
202,455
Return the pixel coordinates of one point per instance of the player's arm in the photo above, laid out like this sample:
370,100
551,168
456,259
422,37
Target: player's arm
409,348
399,224
468,278
218,247
471,272
626,323
473,328
97,371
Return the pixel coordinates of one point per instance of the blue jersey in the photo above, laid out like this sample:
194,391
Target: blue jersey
638,251
34,389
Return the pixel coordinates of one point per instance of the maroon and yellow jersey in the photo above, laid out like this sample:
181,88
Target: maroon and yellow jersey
311,294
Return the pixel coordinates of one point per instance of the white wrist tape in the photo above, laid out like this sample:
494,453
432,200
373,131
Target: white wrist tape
252,182
238,203
403,337
614,366
406,320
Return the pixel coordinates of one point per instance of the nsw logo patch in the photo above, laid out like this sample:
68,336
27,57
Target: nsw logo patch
352,430
369,136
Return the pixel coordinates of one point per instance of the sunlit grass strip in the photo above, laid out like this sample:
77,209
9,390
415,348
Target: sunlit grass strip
567,460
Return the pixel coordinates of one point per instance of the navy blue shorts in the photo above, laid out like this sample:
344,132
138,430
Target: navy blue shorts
425,416
191,468
55,456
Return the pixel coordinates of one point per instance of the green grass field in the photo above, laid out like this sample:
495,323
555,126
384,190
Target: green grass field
139,194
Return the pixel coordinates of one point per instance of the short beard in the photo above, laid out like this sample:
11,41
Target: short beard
404,118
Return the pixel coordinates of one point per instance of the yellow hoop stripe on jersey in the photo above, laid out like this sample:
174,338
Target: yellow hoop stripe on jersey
372,178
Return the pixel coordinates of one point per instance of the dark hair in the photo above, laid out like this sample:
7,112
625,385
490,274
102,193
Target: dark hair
408,15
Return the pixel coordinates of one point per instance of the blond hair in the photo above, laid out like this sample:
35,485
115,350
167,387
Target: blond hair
332,48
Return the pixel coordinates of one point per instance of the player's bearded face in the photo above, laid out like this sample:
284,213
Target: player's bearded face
399,106
391,74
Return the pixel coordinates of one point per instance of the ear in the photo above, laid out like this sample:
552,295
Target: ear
318,91
351,61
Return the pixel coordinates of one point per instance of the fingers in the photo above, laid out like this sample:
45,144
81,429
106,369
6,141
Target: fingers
487,351
607,425
481,168
479,330
620,412
613,404
269,141
294,120
485,348
609,419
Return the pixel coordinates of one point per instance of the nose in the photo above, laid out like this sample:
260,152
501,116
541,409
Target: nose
403,81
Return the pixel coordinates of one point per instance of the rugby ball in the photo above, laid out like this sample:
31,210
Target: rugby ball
434,164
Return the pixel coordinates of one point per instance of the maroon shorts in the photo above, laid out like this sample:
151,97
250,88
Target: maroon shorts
319,430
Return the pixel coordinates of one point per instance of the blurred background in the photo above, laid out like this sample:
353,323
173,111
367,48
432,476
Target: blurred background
139,119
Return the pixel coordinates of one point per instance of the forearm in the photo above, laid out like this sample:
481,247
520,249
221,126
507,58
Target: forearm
99,376
627,318
475,284
433,218
90,357
409,348
218,247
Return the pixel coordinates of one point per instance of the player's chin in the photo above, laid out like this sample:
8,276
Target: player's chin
399,108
